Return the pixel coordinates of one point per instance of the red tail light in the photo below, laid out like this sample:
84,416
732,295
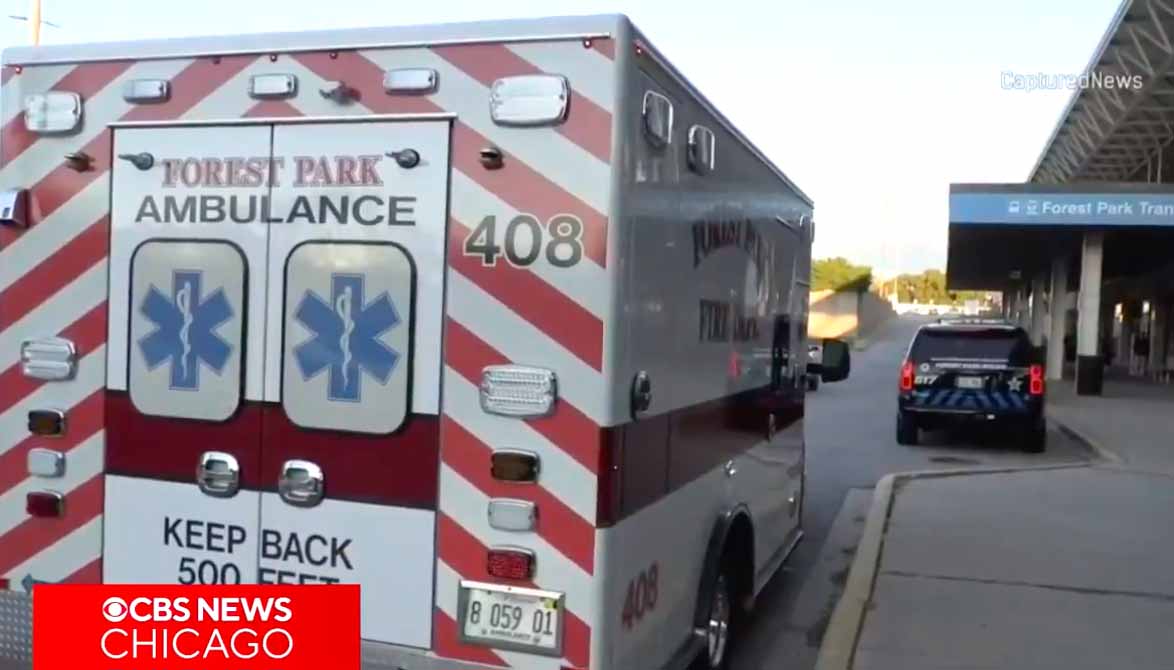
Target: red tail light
3,583
907,376
511,564
1036,386
44,504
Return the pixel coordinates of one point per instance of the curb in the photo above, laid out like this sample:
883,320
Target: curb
838,648
1104,453
839,639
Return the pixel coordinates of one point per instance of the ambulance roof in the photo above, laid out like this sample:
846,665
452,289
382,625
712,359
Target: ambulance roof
512,30
508,30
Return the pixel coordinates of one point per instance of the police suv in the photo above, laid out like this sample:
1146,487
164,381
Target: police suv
972,370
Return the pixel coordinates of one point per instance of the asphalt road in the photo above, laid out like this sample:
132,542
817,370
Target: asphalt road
851,443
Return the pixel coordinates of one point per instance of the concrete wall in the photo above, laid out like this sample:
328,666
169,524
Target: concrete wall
848,314
874,311
833,314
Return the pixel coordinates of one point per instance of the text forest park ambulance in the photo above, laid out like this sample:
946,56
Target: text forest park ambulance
502,321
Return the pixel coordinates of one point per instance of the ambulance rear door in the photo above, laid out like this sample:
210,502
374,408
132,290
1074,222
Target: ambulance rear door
184,355
350,433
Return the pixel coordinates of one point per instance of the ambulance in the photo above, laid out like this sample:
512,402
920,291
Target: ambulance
502,321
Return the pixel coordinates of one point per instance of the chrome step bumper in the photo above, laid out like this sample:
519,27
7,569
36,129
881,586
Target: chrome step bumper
16,630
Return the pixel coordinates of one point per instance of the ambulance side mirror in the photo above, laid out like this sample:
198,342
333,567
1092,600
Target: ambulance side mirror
837,361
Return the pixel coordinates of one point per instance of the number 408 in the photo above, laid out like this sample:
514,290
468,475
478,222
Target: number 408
525,241
641,597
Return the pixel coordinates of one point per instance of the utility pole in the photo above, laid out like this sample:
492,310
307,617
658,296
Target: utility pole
35,21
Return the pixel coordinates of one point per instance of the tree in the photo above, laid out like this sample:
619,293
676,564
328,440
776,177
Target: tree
838,274
930,287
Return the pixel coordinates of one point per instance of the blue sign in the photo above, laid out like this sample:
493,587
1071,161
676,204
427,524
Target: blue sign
346,337
1063,209
185,329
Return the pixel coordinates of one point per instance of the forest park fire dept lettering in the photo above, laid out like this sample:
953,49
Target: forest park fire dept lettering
360,196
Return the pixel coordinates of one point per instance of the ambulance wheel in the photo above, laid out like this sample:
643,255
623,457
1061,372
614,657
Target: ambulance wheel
719,626
906,428
812,383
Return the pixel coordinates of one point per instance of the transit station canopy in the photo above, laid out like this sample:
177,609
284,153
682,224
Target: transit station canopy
1001,234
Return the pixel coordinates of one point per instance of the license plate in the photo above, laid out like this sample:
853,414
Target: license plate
969,382
511,617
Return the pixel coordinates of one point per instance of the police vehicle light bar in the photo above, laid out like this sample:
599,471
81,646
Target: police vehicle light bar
518,390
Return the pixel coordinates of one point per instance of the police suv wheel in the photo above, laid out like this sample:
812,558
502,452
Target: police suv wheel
1035,439
906,428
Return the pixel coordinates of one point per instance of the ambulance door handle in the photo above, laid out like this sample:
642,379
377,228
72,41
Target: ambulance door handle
301,483
218,474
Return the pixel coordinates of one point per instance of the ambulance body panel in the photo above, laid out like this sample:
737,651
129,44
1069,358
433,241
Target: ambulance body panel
414,308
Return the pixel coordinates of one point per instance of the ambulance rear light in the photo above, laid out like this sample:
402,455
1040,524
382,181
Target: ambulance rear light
529,100
48,358
45,504
513,465
416,80
513,515
269,86
46,462
146,90
1036,383
511,563
518,390
46,422
907,376
52,112
4,583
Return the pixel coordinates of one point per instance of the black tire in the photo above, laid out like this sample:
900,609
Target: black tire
812,383
719,634
1035,439
907,432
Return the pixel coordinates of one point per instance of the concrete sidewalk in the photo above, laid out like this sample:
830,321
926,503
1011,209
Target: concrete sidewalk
1132,419
1063,567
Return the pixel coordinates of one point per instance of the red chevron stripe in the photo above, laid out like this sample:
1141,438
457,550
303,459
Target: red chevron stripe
523,188
605,46
587,124
54,273
526,294
272,109
449,645
87,333
465,554
572,535
85,80
34,535
191,85
90,573
82,421
568,428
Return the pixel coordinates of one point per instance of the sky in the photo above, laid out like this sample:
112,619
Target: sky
872,108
